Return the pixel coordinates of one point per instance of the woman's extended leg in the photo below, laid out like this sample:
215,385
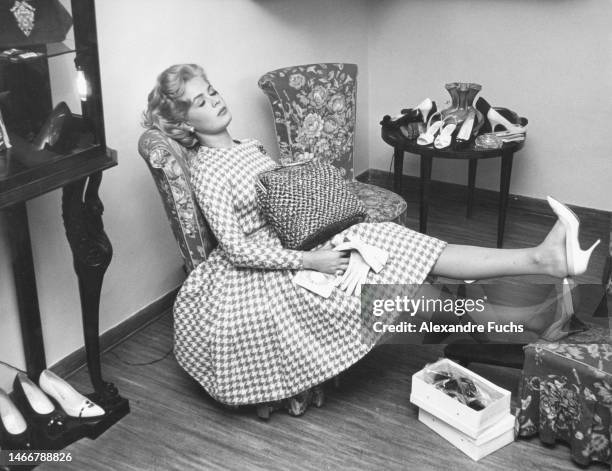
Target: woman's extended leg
470,262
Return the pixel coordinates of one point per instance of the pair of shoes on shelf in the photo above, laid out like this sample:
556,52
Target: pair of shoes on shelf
60,131
45,408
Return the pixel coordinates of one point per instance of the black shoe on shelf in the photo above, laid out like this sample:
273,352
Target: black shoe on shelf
36,407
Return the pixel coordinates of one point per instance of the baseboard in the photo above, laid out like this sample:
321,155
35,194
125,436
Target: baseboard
411,185
77,360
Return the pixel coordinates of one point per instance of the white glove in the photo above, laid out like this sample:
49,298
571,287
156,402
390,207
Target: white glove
376,258
355,275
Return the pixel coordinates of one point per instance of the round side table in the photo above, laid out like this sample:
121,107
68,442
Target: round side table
401,145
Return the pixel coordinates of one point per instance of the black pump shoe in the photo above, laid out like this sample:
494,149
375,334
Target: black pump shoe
37,407
18,437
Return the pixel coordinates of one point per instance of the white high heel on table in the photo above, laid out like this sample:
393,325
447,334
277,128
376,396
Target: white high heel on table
465,131
72,401
428,136
426,107
445,138
496,119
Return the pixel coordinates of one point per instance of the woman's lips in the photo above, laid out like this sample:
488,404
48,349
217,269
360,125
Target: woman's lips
222,111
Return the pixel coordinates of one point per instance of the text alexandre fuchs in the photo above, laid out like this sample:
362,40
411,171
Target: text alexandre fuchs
461,306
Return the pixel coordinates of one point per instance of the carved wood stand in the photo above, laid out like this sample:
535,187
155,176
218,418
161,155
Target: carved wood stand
92,252
82,215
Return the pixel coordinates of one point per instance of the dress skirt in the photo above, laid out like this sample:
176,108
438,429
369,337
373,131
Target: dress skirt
250,335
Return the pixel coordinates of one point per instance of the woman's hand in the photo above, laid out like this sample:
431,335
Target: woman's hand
329,261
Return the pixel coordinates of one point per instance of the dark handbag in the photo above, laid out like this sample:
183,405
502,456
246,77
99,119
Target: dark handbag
307,203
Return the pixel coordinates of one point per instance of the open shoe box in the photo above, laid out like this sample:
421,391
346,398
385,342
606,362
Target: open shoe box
467,420
491,439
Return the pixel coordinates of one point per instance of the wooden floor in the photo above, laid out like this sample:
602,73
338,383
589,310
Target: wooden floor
366,424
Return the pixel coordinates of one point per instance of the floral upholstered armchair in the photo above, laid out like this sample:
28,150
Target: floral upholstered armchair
169,163
314,108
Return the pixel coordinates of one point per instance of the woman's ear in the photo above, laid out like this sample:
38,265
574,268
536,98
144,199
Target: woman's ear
188,127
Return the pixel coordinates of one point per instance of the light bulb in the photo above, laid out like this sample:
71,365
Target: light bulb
82,85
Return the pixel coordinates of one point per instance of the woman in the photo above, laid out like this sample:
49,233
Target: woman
243,329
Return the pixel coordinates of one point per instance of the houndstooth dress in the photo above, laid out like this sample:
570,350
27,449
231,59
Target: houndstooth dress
243,329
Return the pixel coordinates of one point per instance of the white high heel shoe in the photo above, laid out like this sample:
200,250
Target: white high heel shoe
444,139
428,136
72,401
12,421
465,131
36,399
577,259
427,108
496,119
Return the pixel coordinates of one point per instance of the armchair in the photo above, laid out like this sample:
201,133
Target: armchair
169,164
314,110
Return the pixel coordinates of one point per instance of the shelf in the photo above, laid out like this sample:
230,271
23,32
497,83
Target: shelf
58,49
37,173
52,50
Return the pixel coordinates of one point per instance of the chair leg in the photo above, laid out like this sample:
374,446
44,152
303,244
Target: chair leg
318,396
298,404
336,381
264,411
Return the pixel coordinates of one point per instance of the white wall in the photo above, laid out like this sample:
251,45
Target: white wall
549,60
236,41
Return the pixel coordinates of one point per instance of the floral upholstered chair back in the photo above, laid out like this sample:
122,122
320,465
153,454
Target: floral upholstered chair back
314,112
169,162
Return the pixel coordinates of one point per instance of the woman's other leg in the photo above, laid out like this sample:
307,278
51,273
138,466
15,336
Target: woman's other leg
471,262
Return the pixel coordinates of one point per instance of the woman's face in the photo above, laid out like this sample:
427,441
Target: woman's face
207,112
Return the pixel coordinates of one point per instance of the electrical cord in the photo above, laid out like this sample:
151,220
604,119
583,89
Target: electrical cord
125,362
129,363
390,177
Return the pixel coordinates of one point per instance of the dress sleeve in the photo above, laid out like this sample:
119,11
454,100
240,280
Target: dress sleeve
215,198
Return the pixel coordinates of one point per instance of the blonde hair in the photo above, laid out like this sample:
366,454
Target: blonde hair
166,110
